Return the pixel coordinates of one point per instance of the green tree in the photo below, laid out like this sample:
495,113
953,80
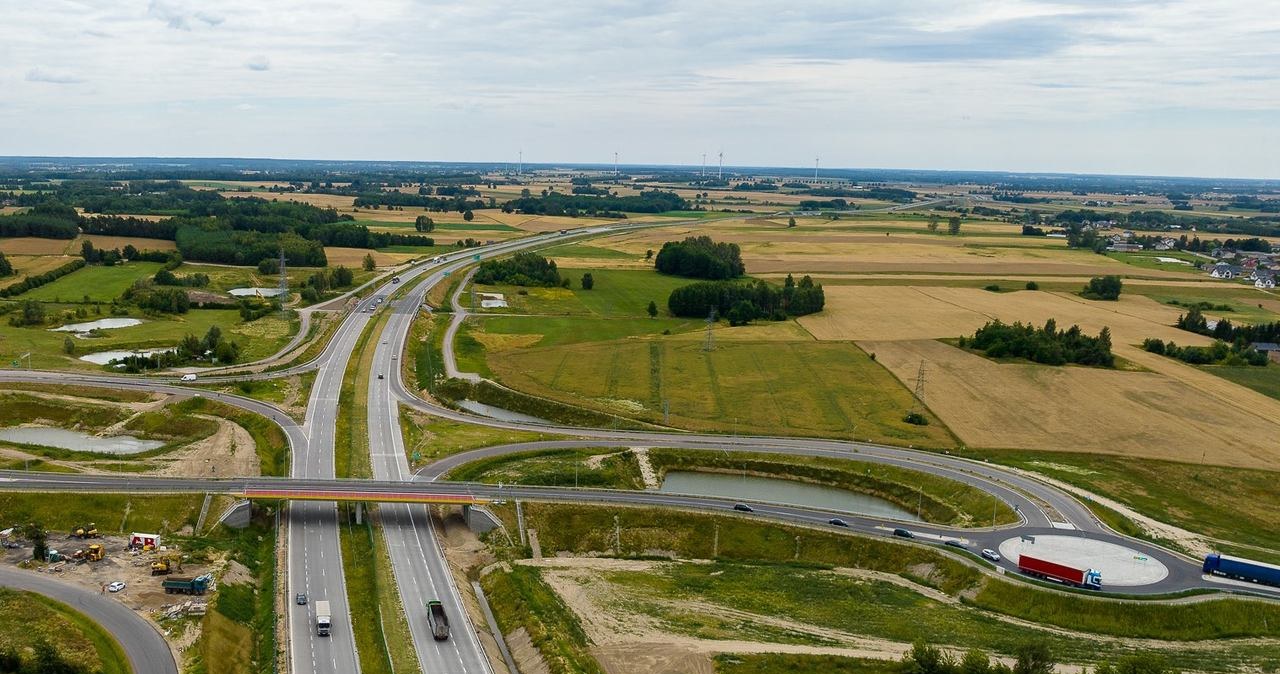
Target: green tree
653,309
791,222
68,345
953,225
933,222
6,269
648,255
34,533
424,224
468,215
1033,658
924,658
1138,663
588,282
368,264
741,313
1103,288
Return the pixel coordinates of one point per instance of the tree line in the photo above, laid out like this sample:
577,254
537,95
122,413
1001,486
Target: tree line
521,269
213,347
1195,321
882,193
1047,344
48,220
743,302
439,204
38,280
1235,354
556,203
700,257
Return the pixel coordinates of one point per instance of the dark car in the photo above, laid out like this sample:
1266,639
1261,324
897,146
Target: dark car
742,507
837,522
903,533
955,543
301,599
379,376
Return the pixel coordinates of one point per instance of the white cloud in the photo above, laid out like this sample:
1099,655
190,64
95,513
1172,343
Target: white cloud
1013,84
52,77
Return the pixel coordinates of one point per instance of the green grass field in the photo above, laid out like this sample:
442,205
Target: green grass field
561,330
520,599
257,339
617,293
113,513
98,283
1264,380
761,387
771,663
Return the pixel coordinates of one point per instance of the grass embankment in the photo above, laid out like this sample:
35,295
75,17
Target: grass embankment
269,439
521,600
323,327
238,634
423,351
771,663
78,391
427,438
940,500
27,618
286,392
114,513
381,632
581,530
558,468
1186,495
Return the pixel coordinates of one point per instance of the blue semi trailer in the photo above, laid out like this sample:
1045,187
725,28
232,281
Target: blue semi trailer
1242,569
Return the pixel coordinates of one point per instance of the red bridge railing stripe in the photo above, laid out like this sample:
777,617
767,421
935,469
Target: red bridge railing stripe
378,496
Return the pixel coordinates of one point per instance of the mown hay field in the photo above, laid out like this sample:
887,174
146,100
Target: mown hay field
867,312
32,265
1077,409
30,245
111,242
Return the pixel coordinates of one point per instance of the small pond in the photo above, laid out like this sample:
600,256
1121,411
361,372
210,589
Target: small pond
250,292
75,440
100,324
104,357
774,490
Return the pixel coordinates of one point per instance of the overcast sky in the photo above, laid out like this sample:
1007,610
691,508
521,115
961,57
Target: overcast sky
1115,86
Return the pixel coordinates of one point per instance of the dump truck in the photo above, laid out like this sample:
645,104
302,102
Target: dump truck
1242,569
89,530
197,585
439,621
1090,579
323,618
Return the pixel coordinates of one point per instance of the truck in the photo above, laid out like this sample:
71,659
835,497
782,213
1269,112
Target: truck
439,621
197,585
323,618
1090,579
1242,569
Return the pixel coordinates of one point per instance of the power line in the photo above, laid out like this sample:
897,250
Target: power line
710,343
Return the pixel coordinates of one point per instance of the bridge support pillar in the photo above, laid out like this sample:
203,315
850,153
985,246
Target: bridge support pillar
359,512
479,520
237,515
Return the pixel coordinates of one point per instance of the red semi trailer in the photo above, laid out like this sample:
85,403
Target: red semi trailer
1043,568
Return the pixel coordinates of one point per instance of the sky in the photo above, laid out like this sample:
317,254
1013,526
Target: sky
1117,86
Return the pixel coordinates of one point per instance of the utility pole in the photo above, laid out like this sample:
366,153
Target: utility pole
617,536
815,169
720,171
520,163
920,388
615,163
703,172
797,557
715,543
666,412
919,501
710,343
283,295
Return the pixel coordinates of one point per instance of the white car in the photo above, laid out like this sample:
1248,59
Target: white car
988,553
188,377
116,586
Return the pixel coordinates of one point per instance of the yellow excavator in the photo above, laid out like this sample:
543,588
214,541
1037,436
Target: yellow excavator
95,553
166,565
89,530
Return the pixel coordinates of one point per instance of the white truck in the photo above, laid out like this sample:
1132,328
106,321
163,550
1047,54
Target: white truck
323,618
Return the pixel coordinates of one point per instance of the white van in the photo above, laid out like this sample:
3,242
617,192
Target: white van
188,377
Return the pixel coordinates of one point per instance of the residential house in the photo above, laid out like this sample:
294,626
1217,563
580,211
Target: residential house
1226,271
1166,243
1270,348
1265,280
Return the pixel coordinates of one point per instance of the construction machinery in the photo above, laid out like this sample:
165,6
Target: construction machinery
94,553
89,530
166,565
197,585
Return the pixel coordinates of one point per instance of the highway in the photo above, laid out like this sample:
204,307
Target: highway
1184,573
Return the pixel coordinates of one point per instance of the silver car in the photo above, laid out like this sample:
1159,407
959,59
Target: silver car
988,553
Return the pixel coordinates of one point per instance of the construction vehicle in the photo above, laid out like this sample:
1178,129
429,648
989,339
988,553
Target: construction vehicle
439,621
89,530
166,565
323,618
197,585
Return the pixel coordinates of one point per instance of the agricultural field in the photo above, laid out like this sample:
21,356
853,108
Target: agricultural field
599,349
95,282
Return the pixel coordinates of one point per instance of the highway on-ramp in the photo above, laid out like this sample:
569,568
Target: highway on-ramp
144,647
